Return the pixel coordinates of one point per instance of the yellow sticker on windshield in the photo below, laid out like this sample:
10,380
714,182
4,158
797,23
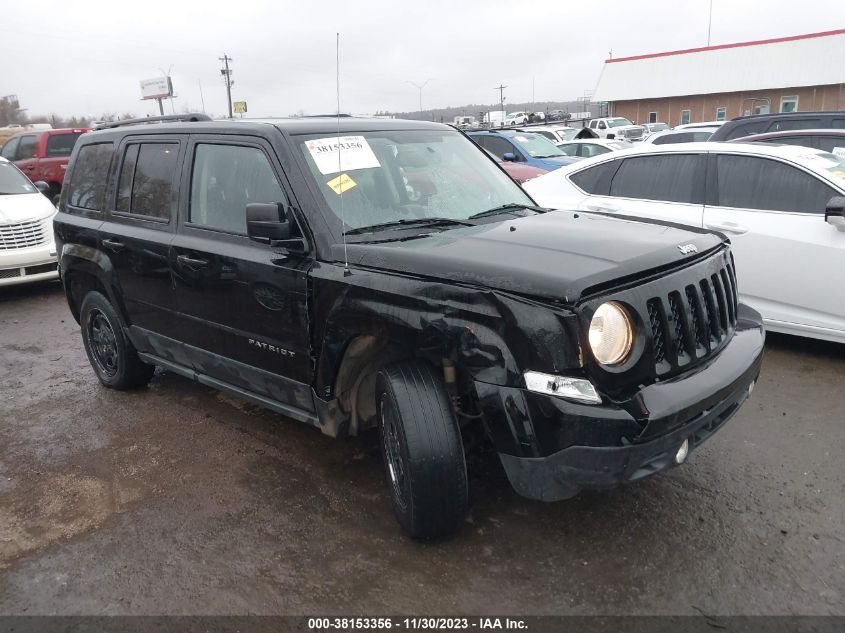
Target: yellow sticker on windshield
341,183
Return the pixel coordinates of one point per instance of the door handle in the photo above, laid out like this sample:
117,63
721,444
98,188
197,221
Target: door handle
728,227
191,262
602,208
113,245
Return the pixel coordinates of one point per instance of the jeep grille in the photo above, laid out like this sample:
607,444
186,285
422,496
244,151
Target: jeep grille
691,323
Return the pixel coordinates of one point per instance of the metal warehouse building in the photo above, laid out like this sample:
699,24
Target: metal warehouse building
803,72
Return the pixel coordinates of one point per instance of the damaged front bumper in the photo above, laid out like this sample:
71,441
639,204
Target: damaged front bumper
551,448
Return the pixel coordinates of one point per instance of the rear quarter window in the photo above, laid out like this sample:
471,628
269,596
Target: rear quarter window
596,180
745,129
88,175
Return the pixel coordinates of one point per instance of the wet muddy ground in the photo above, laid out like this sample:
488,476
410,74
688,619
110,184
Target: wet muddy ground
180,500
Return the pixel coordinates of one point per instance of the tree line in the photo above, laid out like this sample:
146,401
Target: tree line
12,114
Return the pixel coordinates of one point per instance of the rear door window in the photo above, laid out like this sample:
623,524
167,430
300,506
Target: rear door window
145,186
753,182
667,177
89,173
61,144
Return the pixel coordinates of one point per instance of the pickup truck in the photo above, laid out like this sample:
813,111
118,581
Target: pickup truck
43,155
617,127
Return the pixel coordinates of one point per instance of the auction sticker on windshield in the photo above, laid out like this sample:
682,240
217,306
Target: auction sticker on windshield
345,153
341,183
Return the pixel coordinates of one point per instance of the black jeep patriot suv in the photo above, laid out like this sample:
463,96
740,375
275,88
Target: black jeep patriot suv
354,273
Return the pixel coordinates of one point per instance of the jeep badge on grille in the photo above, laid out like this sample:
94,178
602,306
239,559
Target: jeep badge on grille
687,249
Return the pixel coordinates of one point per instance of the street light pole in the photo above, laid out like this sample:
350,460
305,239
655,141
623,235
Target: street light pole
709,22
420,88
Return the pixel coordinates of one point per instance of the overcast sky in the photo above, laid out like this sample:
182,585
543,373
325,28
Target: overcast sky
86,57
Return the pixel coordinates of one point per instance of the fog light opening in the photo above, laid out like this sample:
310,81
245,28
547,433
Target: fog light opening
683,451
751,388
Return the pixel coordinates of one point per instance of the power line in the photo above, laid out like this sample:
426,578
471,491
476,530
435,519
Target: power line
227,79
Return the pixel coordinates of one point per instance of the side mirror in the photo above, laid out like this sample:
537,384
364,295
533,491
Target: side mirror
834,213
509,156
266,222
43,187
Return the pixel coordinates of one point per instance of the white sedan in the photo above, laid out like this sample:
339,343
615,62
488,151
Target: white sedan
589,147
781,206
27,249
689,135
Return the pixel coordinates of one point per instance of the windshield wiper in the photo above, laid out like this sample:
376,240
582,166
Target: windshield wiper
408,223
503,208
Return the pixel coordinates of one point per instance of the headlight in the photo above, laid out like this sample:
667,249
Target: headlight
611,335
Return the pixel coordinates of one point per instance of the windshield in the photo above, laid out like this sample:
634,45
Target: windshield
567,135
12,181
535,145
618,122
389,176
831,164
658,127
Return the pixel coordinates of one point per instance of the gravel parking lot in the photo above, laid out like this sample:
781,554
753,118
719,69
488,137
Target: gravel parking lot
180,500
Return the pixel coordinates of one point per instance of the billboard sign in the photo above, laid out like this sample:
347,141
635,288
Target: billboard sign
239,107
158,88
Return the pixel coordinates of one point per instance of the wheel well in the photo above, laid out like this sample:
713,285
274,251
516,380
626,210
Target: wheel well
77,285
355,386
356,376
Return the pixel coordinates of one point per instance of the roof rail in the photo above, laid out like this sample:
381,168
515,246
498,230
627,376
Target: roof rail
167,118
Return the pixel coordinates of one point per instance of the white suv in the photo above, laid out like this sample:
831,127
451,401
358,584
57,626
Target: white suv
617,127
782,207
517,118
27,249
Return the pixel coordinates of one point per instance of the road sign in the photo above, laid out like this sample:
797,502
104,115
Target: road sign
239,107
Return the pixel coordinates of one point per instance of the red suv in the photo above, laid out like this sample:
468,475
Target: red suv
43,155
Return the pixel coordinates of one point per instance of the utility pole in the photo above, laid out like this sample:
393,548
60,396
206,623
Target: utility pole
202,98
501,90
227,78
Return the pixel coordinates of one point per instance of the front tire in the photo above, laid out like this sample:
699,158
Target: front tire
111,354
422,450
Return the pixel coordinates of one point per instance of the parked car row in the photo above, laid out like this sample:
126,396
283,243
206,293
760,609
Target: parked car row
780,205
397,279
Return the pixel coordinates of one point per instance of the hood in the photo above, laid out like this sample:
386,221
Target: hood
24,207
556,255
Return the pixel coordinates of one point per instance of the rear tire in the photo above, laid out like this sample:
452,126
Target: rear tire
111,354
422,450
